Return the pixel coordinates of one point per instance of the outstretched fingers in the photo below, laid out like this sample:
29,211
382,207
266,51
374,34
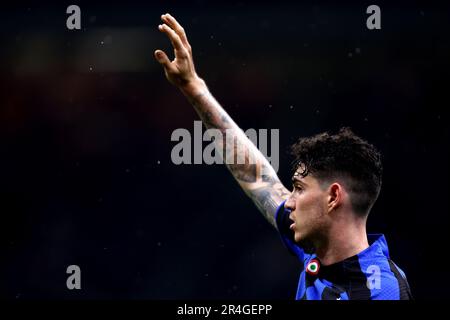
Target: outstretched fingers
180,50
173,23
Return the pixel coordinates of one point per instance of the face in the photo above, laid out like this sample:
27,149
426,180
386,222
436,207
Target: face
308,206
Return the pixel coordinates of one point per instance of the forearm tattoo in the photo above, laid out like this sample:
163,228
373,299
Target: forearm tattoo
257,177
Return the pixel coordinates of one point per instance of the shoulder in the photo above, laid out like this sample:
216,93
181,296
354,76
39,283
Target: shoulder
388,283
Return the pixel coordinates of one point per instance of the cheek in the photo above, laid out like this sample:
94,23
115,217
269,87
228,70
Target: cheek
309,206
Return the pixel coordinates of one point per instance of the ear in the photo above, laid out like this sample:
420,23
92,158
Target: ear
335,195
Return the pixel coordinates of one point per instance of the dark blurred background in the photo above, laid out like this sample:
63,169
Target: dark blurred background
86,119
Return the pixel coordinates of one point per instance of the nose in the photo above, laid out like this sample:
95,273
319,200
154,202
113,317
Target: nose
290,203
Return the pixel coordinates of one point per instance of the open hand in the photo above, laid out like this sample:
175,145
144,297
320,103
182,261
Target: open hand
180,72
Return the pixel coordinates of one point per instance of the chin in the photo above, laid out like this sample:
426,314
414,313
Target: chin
299,232
304,243
298,238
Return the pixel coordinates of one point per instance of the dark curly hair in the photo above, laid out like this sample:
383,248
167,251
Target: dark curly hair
343,156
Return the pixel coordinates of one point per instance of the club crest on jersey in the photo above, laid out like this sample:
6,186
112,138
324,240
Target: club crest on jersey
313,267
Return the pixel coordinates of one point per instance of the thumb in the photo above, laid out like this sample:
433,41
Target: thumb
162,58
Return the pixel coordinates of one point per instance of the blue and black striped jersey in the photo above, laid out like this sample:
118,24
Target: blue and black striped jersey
369,275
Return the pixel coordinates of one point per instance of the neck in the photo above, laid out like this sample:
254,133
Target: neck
343,240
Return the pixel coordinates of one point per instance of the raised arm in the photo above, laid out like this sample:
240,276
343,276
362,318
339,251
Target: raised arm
256,177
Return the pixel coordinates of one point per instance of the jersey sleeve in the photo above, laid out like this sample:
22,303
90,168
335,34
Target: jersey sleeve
286,234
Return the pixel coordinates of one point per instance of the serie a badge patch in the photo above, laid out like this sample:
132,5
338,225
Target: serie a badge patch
313,267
